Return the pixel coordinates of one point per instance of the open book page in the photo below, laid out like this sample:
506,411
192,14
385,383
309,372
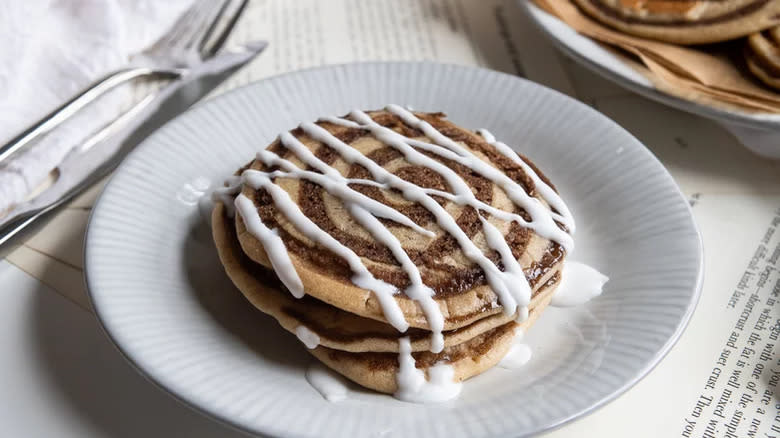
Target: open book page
721,378
704,387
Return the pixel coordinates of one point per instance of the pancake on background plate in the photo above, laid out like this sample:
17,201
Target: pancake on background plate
762,56
685,21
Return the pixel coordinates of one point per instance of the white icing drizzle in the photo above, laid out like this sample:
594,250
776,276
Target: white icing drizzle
518,355
205,207
417,291
330,385
579,284
511,285
542,218
516,290
364,209
310,339
332,181
496,240
226,194
362,277
272,244
470,201
412,385
564,216
196,192
560,236
193,191
504,284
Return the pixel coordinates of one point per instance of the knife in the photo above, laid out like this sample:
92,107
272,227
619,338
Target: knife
90,162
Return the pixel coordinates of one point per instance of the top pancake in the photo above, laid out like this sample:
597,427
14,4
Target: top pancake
459,285
686,21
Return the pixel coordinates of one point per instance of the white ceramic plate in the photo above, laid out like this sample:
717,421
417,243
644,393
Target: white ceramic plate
161,294
759,132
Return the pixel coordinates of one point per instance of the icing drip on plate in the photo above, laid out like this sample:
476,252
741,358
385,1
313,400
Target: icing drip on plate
579,284
330,385
412,385
227,194
518,355
308,337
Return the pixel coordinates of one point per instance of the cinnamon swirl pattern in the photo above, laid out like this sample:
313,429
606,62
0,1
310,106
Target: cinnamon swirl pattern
403,250
685,21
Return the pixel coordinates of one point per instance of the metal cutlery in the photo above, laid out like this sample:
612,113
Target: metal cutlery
186,44
187,53
85,166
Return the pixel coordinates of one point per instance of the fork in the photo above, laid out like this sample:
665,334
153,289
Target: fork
169,58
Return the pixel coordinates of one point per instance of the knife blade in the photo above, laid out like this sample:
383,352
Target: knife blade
84,166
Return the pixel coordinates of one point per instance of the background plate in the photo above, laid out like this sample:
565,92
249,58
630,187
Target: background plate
758,132
162,296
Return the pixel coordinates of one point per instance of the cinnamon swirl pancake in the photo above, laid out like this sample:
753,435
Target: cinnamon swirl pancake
388,232
762,55
685,21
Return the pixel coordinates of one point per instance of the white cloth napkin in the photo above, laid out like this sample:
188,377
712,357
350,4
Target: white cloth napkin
49,51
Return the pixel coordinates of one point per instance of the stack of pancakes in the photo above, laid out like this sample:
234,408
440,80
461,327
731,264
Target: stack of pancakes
343,325
700,22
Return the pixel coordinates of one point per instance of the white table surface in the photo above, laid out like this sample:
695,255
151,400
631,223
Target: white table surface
61,377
